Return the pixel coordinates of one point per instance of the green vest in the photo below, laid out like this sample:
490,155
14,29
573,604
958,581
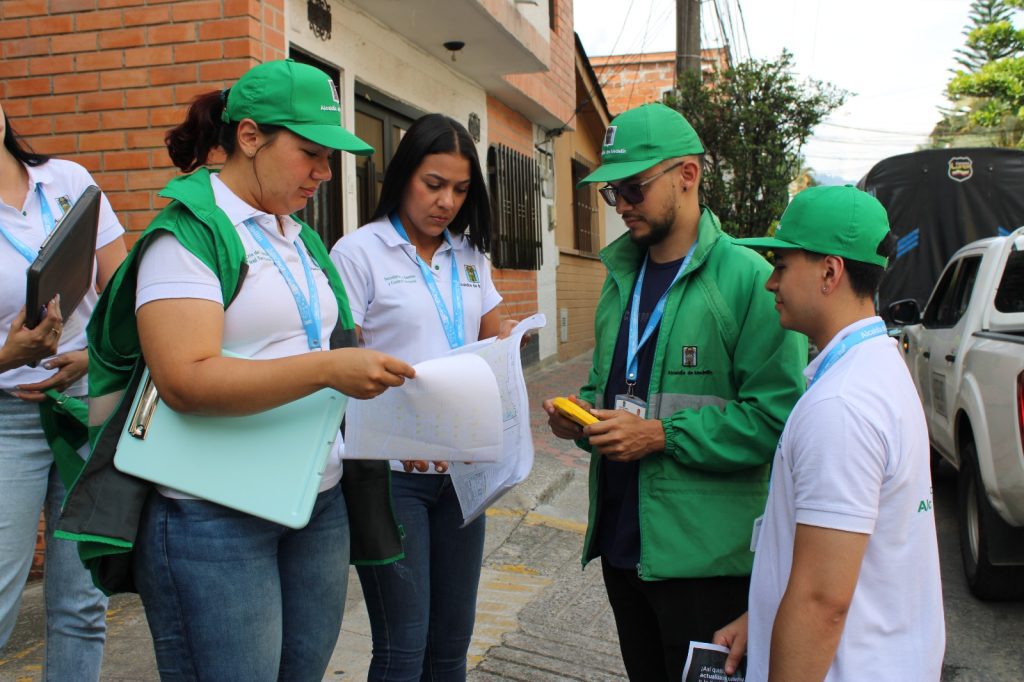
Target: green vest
103,507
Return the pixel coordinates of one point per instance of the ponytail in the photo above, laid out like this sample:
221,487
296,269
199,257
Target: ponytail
189,144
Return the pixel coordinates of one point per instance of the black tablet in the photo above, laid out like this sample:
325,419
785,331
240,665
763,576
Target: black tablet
65,261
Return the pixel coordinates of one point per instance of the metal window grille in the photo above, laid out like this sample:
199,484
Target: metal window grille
584,208
515,209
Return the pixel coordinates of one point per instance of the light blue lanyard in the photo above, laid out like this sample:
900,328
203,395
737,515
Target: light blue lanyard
454,330
309,310
652,322
48,224
843,347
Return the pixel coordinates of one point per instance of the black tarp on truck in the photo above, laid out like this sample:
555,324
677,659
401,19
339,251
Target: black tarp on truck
939,200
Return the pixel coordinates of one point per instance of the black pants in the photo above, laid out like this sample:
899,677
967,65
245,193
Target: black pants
657,619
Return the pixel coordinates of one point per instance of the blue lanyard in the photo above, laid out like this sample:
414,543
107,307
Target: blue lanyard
652,322
48,225
841,349
454,330
309,310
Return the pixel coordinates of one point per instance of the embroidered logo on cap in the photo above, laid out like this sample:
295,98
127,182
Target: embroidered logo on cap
609,136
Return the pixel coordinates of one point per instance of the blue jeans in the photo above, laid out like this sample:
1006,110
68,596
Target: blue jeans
229,596
422,608
75,609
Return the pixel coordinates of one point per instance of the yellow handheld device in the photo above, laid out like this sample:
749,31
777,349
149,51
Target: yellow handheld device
571,410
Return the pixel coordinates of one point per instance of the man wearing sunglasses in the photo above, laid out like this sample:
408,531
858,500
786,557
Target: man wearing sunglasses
692,380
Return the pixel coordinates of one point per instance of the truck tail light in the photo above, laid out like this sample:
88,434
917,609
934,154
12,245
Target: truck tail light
1020,408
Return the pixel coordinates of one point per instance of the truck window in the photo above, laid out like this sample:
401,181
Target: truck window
1010,294
941,297
965,286
953,293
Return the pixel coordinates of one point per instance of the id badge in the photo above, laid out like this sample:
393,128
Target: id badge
631,404
756,534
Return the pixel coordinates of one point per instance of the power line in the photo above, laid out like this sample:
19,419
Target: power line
874,130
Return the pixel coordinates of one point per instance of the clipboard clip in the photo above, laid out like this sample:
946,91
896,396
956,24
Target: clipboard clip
138,427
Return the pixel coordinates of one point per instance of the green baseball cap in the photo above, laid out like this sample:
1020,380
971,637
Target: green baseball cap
639,138
835,221
295,96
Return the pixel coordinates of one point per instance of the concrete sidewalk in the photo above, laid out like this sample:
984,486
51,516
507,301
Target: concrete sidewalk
539,616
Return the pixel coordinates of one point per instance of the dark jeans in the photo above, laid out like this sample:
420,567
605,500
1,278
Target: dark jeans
422,608
230,597
658,619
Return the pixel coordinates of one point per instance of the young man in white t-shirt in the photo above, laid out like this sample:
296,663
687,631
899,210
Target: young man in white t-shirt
845,583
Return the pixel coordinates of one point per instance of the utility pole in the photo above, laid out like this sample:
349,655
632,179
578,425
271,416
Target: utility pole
687,37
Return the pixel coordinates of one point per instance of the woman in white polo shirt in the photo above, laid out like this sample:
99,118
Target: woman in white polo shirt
419,284
35,193
224,267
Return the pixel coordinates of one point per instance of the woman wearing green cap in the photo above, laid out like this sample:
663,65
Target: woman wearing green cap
229,596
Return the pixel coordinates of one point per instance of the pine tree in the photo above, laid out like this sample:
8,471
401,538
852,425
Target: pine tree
983,47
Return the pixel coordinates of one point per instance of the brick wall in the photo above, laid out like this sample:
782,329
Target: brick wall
630,80
578,283
100,81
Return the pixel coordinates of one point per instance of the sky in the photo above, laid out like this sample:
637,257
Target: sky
892,56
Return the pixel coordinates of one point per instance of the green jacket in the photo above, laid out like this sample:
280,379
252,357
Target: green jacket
103,507
725,378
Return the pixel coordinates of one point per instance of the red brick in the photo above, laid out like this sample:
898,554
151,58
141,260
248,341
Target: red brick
28,87
184,94
98,101
61,6
26,48
197,52
129,37
125,78
273,39
50,65
145,139
192,11
14,68
172,33
242,47
55,144
149,56
17,108
48,26
230,70
227,28
165,75
130,238
120,120
76,42
166,116
55,104
23,8
110,182
77,123
147,15
92,142
94,21
133,160
13,28
234,8
90,161
78,82
140,220
130,201
107,60
120,3
149,97
36,125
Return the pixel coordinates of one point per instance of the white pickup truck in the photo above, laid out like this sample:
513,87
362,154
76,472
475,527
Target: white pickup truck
966,354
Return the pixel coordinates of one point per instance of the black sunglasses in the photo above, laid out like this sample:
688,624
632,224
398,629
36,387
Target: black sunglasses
632,192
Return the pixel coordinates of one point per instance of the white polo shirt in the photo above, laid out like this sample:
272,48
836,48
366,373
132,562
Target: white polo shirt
62,183
854,457
392,304
263,321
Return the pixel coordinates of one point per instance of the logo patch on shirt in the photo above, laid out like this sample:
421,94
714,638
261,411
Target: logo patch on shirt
64,202
471,274
689,356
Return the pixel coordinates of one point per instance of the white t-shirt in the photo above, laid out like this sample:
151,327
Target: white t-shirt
62,183
854,457
263,321
392,304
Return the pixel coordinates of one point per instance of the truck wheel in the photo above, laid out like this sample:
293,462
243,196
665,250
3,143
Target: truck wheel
977,517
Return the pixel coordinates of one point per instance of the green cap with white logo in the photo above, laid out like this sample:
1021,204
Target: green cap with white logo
834,221
295,96
642,137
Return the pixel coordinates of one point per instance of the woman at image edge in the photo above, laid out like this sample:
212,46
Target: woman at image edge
229,596
433,219
37,191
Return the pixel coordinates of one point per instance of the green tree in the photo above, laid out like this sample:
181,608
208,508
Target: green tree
988,93
753,119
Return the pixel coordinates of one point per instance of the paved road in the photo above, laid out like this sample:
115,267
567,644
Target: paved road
540,617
